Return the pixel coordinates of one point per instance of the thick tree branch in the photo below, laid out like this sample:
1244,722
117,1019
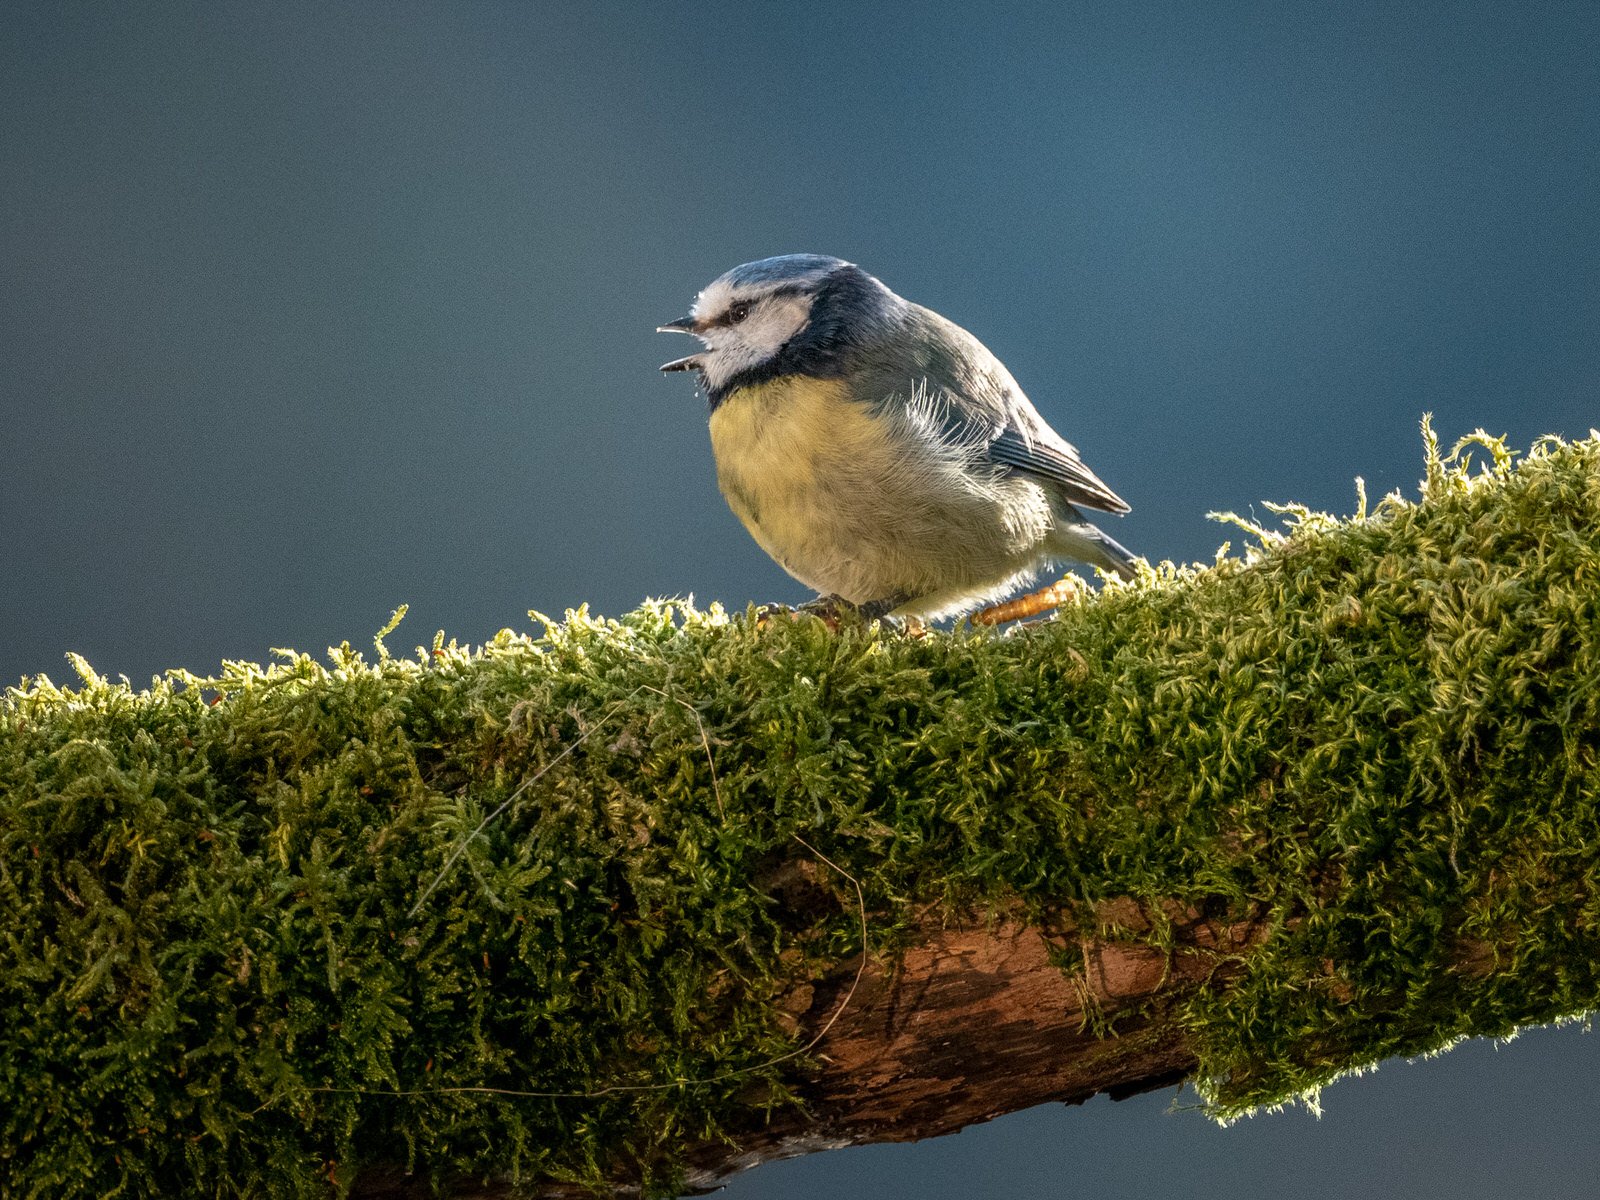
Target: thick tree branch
966,1025
582,911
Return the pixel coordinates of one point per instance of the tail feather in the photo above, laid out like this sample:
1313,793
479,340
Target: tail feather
1080,541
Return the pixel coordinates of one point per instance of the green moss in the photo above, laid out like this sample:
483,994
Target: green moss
1380,733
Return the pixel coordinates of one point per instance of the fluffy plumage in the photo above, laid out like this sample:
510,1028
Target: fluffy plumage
878,451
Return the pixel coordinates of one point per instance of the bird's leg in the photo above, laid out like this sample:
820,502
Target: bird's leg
877,610
1056,594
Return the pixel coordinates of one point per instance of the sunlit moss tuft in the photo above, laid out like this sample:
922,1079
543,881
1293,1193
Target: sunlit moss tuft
1382,733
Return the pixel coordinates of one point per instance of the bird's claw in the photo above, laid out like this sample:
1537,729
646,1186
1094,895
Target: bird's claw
766,612
830,610
823,608
834,612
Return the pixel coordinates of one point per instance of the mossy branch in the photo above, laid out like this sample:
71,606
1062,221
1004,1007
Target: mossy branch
562,910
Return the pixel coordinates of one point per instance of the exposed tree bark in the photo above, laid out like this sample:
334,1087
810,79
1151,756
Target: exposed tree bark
590,908
978,1022
969,1024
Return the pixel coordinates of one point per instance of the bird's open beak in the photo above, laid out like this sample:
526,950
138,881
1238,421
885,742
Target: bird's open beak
681,325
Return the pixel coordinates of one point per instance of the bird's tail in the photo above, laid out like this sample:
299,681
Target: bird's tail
1074,538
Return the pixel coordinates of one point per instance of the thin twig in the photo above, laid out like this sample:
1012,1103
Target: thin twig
455,855
716,787
861,968
615,1088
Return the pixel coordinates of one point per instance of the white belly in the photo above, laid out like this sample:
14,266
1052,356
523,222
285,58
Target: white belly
870,507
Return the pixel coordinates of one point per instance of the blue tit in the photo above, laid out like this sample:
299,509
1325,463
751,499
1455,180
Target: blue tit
880,453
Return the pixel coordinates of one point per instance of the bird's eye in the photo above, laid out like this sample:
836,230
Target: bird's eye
738,313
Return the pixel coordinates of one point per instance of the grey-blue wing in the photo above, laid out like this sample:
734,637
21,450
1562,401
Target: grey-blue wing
982,397
934,365
1057,462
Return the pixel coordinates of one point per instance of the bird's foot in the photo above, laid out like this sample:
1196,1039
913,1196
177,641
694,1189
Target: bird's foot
1063,590
879,610
766,612
834,611
827,609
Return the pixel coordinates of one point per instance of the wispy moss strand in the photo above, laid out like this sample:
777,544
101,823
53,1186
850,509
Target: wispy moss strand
1380,734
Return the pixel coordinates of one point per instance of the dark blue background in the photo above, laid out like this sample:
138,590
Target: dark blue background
310,310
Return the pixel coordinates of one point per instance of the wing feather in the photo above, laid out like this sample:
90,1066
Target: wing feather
1058,462
965,392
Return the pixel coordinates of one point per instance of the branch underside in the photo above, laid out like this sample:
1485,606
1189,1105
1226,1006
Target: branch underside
971,1024
966,1025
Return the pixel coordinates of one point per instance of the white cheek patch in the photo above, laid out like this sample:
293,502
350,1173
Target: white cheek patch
734,348
771,323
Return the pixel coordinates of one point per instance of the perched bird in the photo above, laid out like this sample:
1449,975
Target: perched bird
880,453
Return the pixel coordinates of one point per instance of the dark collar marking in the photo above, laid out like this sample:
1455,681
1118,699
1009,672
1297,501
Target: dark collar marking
846,312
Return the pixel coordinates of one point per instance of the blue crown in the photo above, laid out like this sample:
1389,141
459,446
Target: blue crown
784,267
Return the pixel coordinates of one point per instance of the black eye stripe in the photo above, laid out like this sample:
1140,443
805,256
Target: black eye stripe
743,307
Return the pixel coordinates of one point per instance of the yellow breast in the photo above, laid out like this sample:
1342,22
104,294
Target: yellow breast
781,448
868,502
768,438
